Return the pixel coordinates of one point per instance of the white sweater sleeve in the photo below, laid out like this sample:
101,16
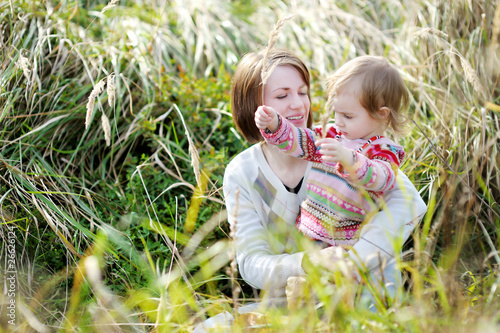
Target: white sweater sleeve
383,237
261,261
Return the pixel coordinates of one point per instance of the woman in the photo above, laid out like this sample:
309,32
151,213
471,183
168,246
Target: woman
263,187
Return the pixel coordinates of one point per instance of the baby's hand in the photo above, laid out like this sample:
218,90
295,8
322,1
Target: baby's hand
266,117
333,151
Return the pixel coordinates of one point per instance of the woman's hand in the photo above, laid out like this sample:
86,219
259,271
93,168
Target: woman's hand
332,258
297,292
333,151
266,117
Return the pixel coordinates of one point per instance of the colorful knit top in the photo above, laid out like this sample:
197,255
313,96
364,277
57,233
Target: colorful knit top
337,204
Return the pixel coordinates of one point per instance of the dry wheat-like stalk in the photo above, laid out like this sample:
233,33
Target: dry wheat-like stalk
470,73
273,38
98,88
233,268
106,127
492,63
327,114
111,89
471,76
495,28
23,63
195,159
110,5
429,32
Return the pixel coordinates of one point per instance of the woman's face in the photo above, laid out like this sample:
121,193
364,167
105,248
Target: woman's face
286,92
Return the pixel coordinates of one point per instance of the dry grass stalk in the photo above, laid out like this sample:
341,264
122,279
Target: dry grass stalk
98,88
106,127
273,38
493,53
430,32
111,89
11,7
471,76
193,152
492,107
3,34
23,63
110,5
327,114
495,29
470,73
195,159
233,268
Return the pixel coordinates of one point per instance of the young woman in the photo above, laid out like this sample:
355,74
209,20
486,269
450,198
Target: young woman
263,189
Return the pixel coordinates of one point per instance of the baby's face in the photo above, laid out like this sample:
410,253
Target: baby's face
352,119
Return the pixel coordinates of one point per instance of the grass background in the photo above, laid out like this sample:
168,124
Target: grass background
132,235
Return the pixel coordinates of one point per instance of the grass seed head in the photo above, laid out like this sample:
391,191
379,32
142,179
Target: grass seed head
111,89
106,127
110,5
98,88
428,32
195,159
23,63
273,38
471,76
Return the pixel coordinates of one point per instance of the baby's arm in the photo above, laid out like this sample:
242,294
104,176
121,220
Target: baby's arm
297,142
374,172
266,118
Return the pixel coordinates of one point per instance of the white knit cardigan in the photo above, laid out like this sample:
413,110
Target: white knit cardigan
264,214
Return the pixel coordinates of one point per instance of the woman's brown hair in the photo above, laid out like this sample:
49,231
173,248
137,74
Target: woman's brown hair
246,88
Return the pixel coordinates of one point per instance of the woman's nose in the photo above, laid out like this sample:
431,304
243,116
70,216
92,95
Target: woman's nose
296,102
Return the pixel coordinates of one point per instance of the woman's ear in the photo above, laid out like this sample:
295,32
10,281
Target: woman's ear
384,112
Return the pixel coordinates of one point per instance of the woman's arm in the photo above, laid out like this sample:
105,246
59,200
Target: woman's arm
261,261
383,237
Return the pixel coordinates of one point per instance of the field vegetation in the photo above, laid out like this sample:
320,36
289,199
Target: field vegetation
115,128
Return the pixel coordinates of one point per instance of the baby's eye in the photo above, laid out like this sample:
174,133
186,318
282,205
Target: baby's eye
348,117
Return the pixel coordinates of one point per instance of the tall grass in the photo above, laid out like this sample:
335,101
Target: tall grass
123,227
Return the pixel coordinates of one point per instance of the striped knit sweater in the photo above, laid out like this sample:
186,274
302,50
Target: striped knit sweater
337,204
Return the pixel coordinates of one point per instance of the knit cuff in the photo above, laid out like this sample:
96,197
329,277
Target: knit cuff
267,134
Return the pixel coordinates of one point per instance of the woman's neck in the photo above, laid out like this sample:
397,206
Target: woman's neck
289,169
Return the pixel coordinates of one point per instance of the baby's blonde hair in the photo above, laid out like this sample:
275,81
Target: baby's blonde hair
382,86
